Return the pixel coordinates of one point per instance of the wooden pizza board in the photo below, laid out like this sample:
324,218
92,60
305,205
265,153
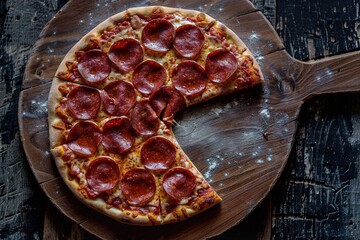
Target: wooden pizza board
240,142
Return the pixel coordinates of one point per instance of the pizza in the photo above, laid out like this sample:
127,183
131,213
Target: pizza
112,104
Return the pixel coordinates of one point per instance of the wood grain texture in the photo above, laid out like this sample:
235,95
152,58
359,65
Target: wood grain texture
339,32
56,226
235,183
317,196
21,215
314,29
251,168
319,193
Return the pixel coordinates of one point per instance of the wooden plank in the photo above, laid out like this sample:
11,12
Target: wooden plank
33,125
65,201
57,226
16,18
315,29
21,213
317,198
325,43
262,157
319,192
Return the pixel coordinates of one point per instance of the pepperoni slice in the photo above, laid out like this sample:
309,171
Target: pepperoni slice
189,78
103,174
94,66
148,77
118,135
220,65
158,154
179,183
118,97
188,41
158,35
126,54
83,102
138,186
84,138
144,119
167,101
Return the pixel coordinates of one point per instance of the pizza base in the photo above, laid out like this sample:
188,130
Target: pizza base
56,134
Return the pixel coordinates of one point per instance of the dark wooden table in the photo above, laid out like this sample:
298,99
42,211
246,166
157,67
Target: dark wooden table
318,193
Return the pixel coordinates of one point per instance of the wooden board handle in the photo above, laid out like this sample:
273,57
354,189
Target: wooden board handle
295,81
332,75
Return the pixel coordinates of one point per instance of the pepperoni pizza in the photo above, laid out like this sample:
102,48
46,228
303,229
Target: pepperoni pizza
113,100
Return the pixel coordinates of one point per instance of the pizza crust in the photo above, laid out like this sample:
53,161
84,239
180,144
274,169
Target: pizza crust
55,134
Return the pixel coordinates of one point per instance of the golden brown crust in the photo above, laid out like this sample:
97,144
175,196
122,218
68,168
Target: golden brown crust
240,44
198,202
197,205
55,134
